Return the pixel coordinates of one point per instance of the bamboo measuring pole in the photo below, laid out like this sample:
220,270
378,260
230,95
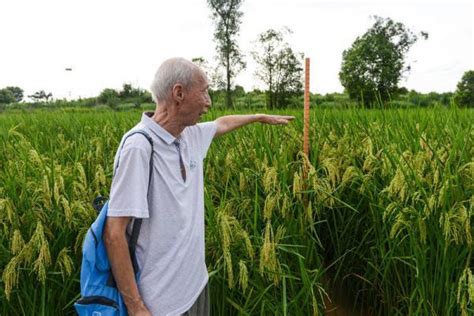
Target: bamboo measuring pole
306,115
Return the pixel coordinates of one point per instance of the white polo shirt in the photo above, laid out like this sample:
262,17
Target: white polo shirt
170,247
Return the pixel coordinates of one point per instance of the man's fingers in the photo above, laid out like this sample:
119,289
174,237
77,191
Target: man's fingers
278,119
285,119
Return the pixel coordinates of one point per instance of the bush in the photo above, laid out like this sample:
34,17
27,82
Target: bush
110,97
465,90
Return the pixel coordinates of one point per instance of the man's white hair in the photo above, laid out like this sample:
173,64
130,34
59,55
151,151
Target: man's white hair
172,71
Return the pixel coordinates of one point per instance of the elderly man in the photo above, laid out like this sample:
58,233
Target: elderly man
169,252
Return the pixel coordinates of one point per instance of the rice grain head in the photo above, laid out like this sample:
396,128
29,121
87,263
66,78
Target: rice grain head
465,291
10,276
285,205
248,244
56,193
455,225
332,171
349,174
270,178
17,242
64,263
82,178
270,202
297,188
243,276
228,266
67,210
268,259
35,158
100,180
7,207
242,182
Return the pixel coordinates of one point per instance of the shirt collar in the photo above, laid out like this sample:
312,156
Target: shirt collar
157,129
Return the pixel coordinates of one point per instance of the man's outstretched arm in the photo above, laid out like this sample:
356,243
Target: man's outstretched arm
228,123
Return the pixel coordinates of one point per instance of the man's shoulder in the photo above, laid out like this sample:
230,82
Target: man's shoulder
200,127
137,137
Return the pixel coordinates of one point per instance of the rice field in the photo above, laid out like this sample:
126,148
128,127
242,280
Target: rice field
381,210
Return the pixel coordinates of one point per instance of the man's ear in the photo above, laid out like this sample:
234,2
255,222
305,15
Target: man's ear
178,93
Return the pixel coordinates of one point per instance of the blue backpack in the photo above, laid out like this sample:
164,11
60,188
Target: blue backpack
99,293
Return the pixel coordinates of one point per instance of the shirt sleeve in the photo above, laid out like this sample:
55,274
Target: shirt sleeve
129,191
205,134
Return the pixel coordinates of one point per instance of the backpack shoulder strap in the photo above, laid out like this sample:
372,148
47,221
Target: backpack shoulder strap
147,136
137,222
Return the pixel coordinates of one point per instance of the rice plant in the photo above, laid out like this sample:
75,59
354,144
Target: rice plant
381,210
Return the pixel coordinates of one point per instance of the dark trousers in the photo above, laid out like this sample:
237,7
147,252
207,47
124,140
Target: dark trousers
201,306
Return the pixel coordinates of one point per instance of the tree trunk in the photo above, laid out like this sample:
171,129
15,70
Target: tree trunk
229,104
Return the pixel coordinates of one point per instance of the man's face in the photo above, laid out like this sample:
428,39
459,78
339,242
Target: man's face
197,101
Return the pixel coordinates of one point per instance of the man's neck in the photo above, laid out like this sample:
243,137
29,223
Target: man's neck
167,120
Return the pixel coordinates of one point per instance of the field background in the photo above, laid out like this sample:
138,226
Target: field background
384,216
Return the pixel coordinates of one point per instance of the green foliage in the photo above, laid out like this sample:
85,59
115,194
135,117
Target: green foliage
255,99
6,96
416,99
375,63
41,96
464,95
239,91
128,95
384,211
17,92
227,17
280,69
110,97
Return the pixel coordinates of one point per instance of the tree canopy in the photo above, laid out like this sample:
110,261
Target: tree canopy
375,63
41,96
279,68
6,96
464,95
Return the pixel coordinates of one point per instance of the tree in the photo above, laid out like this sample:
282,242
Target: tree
41,96
375,63
6,96
279,67
110,97
214,75
128,91
464,95
17,92
239,91
227,18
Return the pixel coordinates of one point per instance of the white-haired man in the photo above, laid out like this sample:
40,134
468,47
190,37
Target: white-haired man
170,247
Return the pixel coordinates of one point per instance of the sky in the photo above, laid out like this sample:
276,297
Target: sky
108,43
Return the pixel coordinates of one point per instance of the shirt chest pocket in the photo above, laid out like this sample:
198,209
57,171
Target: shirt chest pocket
193,164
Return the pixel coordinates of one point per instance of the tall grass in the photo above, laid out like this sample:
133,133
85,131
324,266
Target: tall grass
384,214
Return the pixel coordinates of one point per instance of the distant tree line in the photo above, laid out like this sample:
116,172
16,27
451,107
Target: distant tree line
253,99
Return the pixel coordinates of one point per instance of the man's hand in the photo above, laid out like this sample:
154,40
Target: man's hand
228,123
275,119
